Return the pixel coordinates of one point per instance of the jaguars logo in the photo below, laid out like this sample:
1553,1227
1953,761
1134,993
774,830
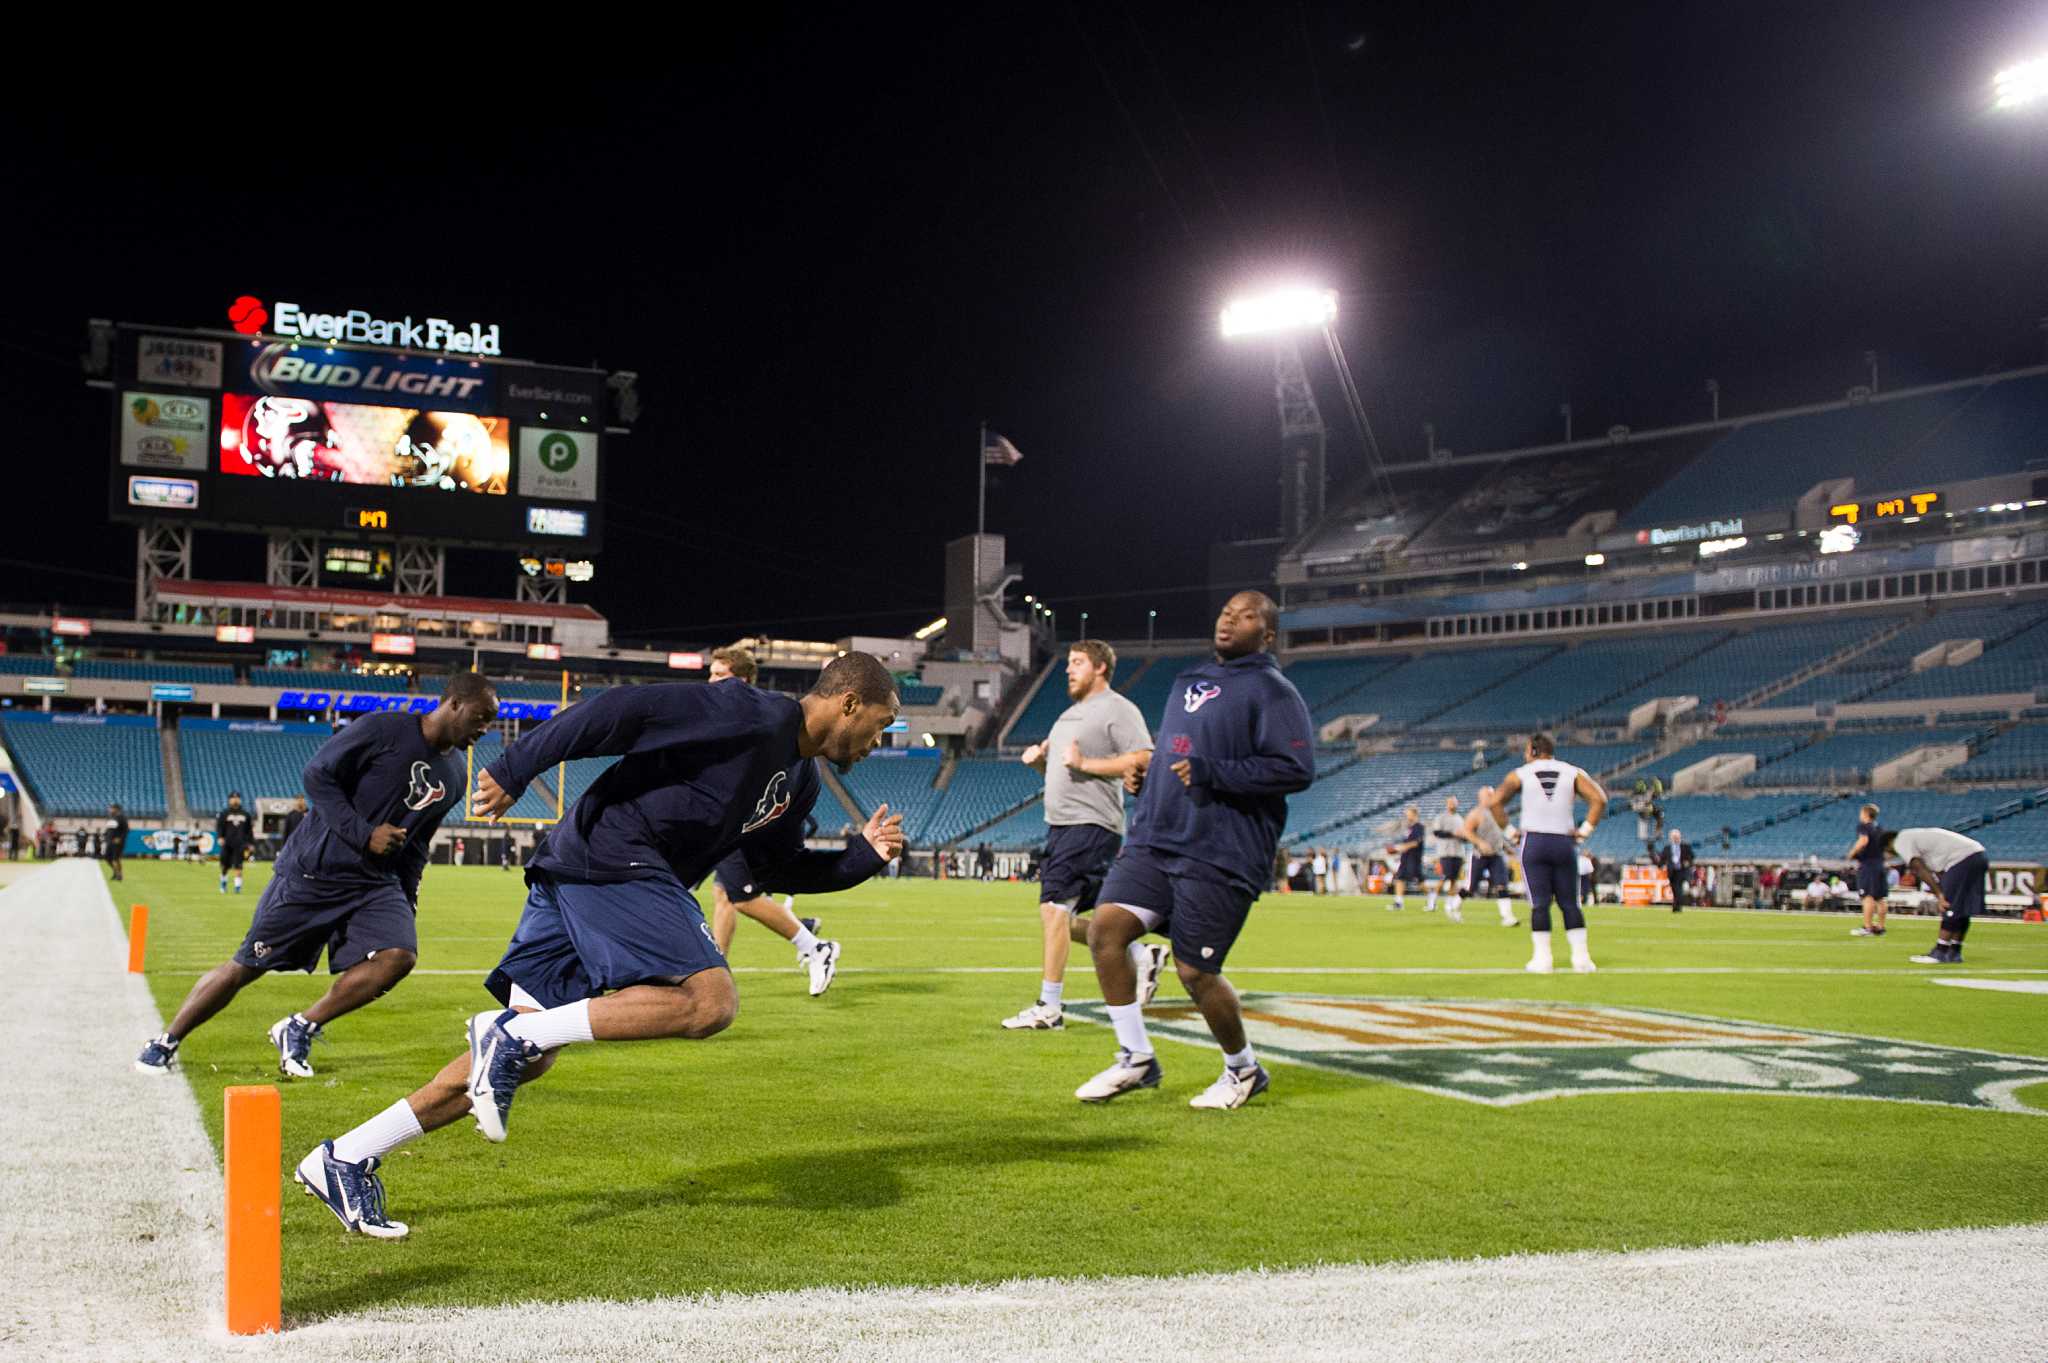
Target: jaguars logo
773,802
424,792
1199,694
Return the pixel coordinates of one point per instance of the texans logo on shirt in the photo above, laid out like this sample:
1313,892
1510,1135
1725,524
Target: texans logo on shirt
1200,694
774,800
425,791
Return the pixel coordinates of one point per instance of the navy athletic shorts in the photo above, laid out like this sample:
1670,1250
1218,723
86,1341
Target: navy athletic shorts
1410,869
297,918
232,855
1871,880
1077,859
1201,913
1493,870
736,878
576,939
1962,885
1450,868
1550,868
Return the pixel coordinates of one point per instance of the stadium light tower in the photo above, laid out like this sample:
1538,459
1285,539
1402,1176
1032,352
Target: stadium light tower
2021,85
1283,315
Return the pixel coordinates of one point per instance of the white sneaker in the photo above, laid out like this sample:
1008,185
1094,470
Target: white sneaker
1455,915
1127,1075
1429,908
1538,965
1233,1090
1039,1017
1584,964
1508,920
1861,932
824,965
1149,970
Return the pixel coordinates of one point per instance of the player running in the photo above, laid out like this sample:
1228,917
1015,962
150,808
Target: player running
736,890
1201,846
1408,858
1447,844
348,879
1490,839
1953,869
1872,883
611,945
1550,862
1100,739
233,832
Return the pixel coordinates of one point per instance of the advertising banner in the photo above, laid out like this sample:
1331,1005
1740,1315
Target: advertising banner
165,431
557,464
535,392
182,360
333,373
338,442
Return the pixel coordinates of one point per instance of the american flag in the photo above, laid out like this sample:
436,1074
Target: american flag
998,452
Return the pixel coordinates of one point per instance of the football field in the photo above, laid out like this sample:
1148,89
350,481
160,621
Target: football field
1725,1077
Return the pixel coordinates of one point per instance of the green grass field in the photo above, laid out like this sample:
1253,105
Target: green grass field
891,1133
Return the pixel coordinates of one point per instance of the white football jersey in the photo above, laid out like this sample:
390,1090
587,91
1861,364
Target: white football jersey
1547,795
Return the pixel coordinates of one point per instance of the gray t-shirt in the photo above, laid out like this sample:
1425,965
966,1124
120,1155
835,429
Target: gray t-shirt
1443,835
1490,832
1105,725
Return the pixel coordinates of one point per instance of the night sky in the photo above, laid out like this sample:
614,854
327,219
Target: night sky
833,245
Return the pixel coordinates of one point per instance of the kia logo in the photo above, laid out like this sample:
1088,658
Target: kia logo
248,315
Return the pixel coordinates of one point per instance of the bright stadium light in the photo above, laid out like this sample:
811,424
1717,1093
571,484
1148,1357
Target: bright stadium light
1280,310
2021,85
1595,560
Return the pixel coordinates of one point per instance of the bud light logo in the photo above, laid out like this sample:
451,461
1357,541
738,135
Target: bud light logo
248,315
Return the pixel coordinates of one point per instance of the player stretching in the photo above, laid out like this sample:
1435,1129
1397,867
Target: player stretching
1950,867
1408,854
736,890
348,878
232,834
1238,743
1100,739
1871,882
1550,859
611,945
1490,839
1447,832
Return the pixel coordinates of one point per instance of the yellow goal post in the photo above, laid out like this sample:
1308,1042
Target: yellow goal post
554,783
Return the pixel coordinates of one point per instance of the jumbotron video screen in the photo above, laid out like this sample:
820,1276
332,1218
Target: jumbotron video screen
259,431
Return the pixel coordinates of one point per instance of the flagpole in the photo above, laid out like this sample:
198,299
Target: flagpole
980,498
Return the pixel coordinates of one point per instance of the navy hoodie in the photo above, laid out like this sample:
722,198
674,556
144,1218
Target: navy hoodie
701,769
1245,733
378,770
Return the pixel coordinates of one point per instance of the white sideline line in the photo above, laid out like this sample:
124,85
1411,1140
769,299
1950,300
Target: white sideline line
109,1226
1851,1300
2006,986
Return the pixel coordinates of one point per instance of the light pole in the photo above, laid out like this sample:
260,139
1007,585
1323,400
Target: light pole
1084,624
1151,617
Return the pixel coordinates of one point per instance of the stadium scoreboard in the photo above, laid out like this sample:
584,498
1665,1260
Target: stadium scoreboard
317,428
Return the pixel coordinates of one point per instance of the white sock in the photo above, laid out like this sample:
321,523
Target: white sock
1577,937
1243,1060
805,940
1507,911
553,1027
1451,905
238,882
379,1136
1050,992
1539,946
1399,902
1129,1021
1432,902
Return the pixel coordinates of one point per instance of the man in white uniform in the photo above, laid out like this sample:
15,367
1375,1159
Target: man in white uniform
1953,869
1097,741
1550,863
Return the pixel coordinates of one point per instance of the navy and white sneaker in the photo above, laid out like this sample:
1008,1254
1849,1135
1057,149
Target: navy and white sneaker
497,1065
294,1037
160,1056
1233,1090
353,1192
823,964
1942,953
1129,1074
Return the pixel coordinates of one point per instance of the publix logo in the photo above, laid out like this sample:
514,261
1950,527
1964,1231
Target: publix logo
557,451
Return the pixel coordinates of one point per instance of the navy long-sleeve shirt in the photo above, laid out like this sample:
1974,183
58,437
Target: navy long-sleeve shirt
702,770
1246,736
378,770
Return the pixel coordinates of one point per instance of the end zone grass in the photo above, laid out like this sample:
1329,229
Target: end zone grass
891,1133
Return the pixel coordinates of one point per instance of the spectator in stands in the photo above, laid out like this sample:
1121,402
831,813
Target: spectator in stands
115,841
1817,893
1320,863
1676,859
